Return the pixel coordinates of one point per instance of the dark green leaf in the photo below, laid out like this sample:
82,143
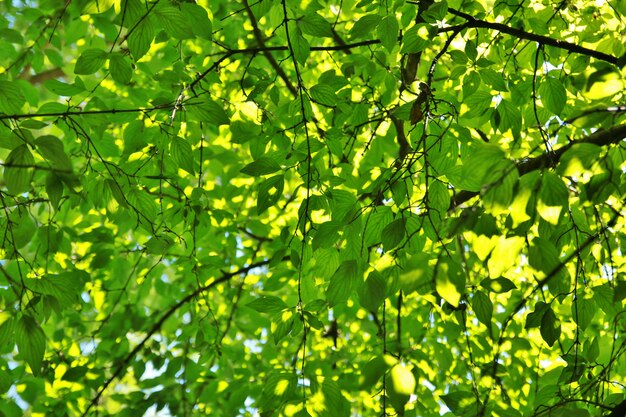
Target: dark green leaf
17,169
365,26
90,61
373,292
393,233
553,95
11,97
315,25
121,69
198,19
208,111
173,21
182,154
268,304
270,191
388,31
323,94
345,280
498,285
550,327
262,166
483,307
31,342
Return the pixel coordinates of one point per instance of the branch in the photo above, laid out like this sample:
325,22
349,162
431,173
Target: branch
600,138
84,112
568,46
157,326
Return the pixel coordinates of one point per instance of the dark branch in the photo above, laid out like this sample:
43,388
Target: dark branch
568,46
600,138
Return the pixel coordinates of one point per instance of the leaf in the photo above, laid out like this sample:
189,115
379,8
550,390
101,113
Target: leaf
120,68
326,235
415,39
51,148
583,310
365,26
301,47
471,82
90,61
182,154
54,189
373,292
267,304
578,158
510,117
315,25
270,192
208,111
450,283
18,171
31,342
262,166
64,287
550,327
282,324
62,89
553,95
393,233
198,20
483,307
343,282
323,94
11,97
388,31
140,39
402,380
461,403
498,285
173,21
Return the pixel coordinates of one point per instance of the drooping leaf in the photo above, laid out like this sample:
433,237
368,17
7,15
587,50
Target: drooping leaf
90,61
31,342
18,169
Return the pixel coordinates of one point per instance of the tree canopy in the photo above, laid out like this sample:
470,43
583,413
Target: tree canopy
312,208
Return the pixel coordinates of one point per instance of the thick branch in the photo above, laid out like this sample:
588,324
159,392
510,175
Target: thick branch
600,138
270,58
568,46
157,326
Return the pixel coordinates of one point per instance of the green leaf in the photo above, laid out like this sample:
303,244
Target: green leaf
471,82
326,235
510,117
550,327
393,233
364,27
262,166
282,324
553,190
583,310
498,285
54,189
483,307
553,95
17,171
373,291
315,25
343,282
301,47
62,89
415,39
544,257
173,21
90,61
11,97
270,192
182,154
323,94
198,19
461,403
388,31
64,287
51,148
120,68
494,79
450,282
140,39
436,12
208,111
31,342
402,380
268,304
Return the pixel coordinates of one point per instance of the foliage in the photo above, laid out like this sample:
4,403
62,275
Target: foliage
312,208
